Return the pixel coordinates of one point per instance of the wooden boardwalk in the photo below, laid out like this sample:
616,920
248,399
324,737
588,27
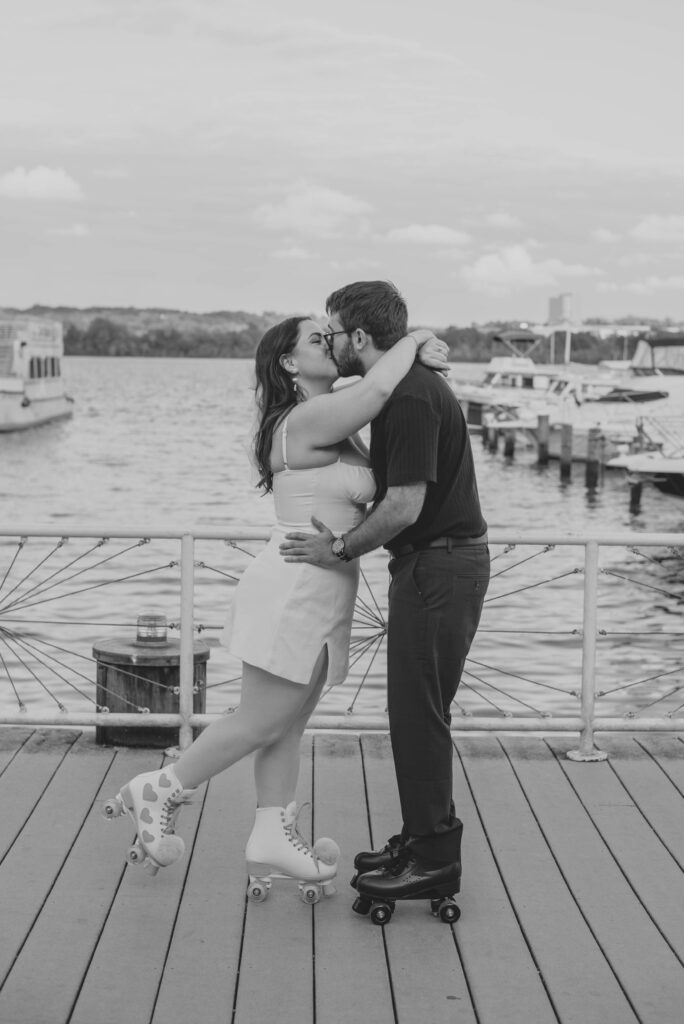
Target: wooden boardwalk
572,903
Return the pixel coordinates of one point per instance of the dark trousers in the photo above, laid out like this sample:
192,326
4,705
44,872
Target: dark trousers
435,601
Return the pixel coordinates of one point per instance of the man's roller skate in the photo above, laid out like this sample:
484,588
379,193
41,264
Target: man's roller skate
153,800
410,877
276,850
375,860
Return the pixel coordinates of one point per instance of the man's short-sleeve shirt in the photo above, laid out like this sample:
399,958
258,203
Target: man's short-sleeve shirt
421,436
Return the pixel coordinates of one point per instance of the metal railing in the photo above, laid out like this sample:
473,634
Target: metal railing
585,721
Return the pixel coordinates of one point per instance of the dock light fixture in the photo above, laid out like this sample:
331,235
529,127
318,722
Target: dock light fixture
151,629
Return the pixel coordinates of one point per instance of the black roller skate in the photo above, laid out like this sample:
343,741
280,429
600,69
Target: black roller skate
409,878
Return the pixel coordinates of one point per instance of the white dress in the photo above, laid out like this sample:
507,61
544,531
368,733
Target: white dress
285,613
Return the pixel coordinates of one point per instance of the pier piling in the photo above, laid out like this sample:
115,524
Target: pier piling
543,431
566,451
594,447
509,443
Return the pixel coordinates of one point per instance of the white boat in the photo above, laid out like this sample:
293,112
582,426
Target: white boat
616,401
32,389
663,465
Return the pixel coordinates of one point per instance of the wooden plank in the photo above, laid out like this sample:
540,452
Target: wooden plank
577,977
427,977
24,780
45,980
29,870
668,752
653,791
276,970
644,957
352,981
12,739
123,976
503,978
201,970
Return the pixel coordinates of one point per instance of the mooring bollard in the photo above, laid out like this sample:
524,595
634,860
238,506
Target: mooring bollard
593,468
145,672
566,451
543,433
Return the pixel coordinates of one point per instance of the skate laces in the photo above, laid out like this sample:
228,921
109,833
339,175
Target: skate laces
293,834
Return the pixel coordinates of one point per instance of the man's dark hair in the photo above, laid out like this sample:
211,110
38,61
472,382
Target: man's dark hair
375,307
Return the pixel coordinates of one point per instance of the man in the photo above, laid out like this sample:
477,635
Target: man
427,514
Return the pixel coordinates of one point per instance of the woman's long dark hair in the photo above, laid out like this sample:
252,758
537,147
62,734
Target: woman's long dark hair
275,391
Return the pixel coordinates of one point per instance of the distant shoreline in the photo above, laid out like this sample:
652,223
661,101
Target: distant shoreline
157,333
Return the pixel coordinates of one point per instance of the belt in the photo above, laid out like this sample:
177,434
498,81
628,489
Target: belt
438,542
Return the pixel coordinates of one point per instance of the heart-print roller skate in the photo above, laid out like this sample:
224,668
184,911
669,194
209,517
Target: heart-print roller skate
153,800
275,849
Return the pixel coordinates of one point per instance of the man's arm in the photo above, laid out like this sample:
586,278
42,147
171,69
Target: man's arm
400,507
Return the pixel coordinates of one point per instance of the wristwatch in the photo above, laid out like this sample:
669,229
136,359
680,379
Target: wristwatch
338,549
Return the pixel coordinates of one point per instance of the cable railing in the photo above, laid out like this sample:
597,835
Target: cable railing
578,633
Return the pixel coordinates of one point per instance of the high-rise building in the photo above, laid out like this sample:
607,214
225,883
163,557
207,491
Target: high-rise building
560,308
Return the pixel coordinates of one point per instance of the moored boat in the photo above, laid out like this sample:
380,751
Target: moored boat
32,389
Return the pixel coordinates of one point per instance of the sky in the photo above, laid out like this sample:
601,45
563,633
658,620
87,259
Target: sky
220,155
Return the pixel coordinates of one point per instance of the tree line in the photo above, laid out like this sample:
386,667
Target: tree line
104,337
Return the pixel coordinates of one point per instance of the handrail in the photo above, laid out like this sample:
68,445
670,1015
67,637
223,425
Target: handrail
586,723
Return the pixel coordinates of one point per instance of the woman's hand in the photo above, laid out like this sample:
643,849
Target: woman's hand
432,351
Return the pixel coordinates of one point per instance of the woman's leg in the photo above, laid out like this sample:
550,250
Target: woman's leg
276,767
268,708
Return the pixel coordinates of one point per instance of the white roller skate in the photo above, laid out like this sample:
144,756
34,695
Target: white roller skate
276,850
153,800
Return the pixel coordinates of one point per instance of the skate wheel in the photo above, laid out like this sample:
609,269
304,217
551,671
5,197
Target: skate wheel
361,905
135,854
449,912
381,913
354,880
310,893
113,808
257,892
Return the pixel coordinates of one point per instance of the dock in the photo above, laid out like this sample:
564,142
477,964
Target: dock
572,903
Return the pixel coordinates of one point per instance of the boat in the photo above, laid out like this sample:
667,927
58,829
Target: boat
509,379
32,389
614,400
663,464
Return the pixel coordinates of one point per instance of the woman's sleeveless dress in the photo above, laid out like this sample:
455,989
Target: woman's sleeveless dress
285,613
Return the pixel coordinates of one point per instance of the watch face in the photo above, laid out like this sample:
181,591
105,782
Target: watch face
338,546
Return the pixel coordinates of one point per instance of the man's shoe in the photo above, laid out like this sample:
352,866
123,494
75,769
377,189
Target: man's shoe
375,860
409,878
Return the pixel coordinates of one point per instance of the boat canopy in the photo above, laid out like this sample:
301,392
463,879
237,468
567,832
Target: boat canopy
518,341
659,353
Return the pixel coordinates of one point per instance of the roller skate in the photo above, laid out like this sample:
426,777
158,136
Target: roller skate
153,800
276,850
374,860
409,877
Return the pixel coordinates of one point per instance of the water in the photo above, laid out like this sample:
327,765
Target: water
160,442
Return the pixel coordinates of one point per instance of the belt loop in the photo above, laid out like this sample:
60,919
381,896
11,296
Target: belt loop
449,544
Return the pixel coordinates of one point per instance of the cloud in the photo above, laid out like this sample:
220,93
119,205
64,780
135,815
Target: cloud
512,267
655,228
41,183
650,286
502,220
428,234
605,235
74,231
316,211
295,252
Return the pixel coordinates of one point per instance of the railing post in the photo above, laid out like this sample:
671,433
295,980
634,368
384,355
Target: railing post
187,627
587,751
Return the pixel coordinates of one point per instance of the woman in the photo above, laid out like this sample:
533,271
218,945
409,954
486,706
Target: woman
291,623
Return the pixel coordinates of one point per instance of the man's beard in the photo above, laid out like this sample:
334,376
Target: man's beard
348,362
